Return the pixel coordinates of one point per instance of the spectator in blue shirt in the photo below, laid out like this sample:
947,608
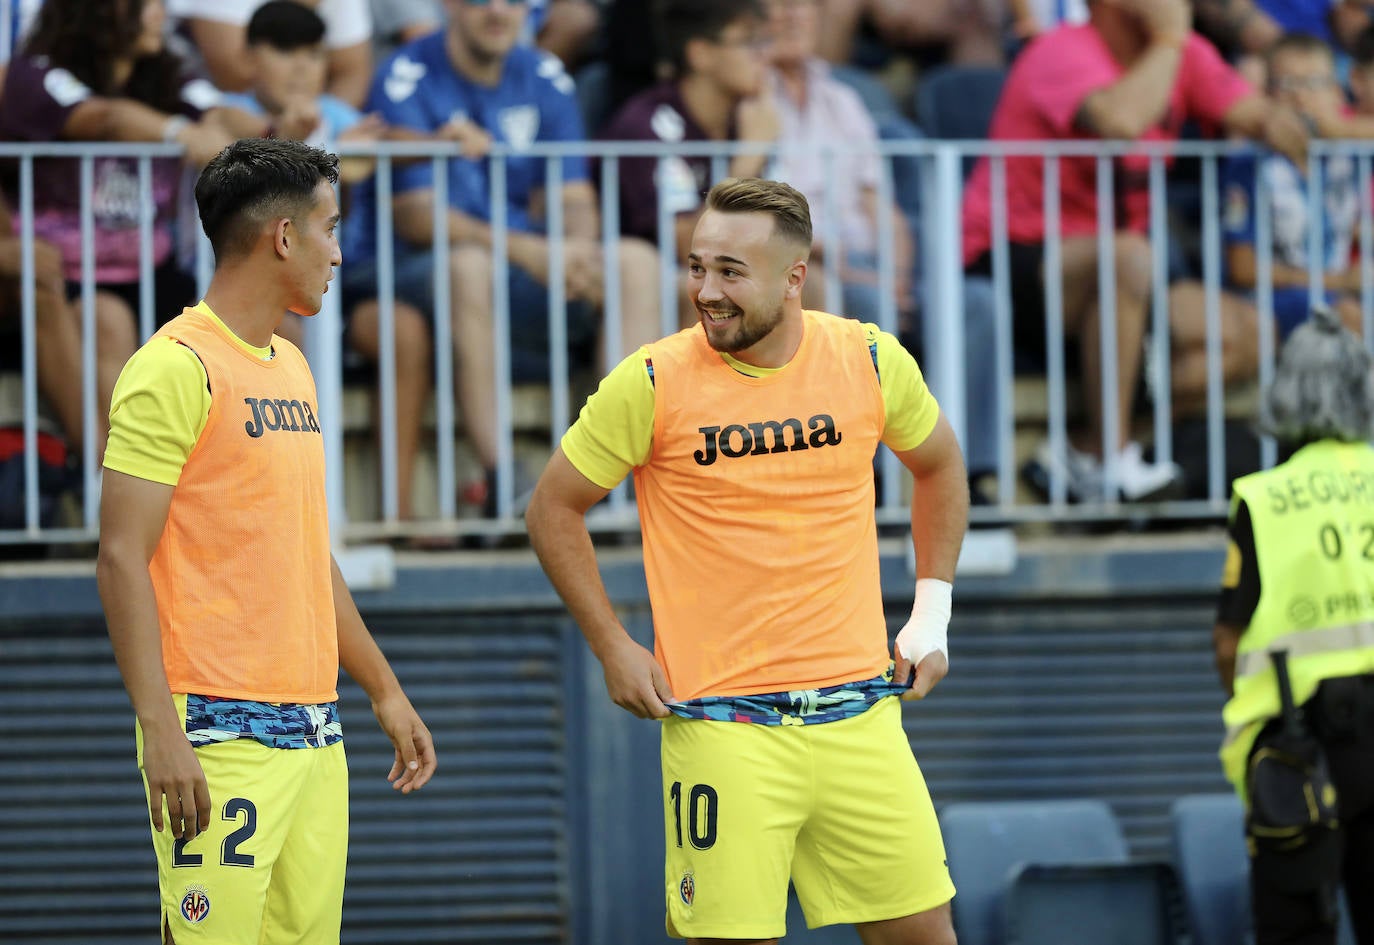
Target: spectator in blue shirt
570,29
473,83
1336,22
1301,74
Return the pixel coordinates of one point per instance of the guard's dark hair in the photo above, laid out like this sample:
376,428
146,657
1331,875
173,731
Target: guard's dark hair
678,22
787,205
285,25
85,37
255,180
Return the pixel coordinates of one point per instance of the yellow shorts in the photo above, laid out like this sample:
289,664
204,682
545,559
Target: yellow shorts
839,807
270,870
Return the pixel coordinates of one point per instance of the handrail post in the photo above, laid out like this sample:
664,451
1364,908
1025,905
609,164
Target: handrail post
942,326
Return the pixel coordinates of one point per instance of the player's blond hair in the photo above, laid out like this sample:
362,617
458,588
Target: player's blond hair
788,207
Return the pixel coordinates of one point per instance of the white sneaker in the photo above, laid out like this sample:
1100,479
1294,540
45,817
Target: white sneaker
1139,481
1081,472
1083,475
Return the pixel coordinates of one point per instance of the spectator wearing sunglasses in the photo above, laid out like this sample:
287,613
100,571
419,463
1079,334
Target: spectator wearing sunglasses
567,28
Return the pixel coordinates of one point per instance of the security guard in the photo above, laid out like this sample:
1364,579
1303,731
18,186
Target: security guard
1299,578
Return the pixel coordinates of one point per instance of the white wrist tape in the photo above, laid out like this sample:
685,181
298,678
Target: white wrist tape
927,630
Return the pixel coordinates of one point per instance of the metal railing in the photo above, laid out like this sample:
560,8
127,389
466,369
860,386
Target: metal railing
941,277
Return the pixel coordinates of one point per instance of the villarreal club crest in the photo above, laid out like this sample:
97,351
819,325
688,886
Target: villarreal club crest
195,905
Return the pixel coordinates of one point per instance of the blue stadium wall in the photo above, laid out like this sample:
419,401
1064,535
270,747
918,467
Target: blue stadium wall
1086,672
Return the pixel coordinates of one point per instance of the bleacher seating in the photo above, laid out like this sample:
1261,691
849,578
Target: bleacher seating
1027,871
988,843
1112,904
532,439
957,102
1209,855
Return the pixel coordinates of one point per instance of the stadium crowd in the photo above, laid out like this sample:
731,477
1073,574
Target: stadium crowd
201,73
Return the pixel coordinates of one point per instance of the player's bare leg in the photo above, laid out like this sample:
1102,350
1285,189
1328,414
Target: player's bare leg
932,927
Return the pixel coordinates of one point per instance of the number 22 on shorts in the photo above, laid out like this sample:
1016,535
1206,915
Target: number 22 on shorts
229,854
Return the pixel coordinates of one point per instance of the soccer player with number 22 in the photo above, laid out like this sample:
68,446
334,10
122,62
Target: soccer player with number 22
228,614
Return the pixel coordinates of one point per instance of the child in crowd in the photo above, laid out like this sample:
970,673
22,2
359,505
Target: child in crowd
1302,74
286,42
290,62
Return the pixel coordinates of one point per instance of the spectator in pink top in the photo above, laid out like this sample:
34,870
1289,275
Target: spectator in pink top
93,70
1135,71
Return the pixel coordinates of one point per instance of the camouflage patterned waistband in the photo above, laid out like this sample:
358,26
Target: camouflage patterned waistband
795,707
275,724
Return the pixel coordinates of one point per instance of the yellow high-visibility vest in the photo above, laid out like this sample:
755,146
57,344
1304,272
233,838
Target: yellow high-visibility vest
1313,519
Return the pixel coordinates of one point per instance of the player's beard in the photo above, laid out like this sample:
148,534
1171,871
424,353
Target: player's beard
743,331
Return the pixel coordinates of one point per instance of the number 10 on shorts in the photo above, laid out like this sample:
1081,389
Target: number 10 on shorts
702,804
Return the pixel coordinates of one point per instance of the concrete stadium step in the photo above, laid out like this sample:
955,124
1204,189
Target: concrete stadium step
530,408
532,435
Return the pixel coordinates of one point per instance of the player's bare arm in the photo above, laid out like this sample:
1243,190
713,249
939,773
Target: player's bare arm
362,659
556,520
133,513
939,519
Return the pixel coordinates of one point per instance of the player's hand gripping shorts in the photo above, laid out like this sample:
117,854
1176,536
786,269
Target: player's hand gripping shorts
270,869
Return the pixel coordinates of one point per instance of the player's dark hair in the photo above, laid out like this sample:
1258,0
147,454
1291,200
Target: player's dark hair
679,22
87,37
285,25
1362,50
787,205
255,180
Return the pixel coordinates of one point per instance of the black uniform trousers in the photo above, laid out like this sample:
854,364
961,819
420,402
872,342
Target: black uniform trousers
1341,715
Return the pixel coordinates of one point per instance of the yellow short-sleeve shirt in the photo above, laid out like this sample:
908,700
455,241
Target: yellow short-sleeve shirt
159,407
614,431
